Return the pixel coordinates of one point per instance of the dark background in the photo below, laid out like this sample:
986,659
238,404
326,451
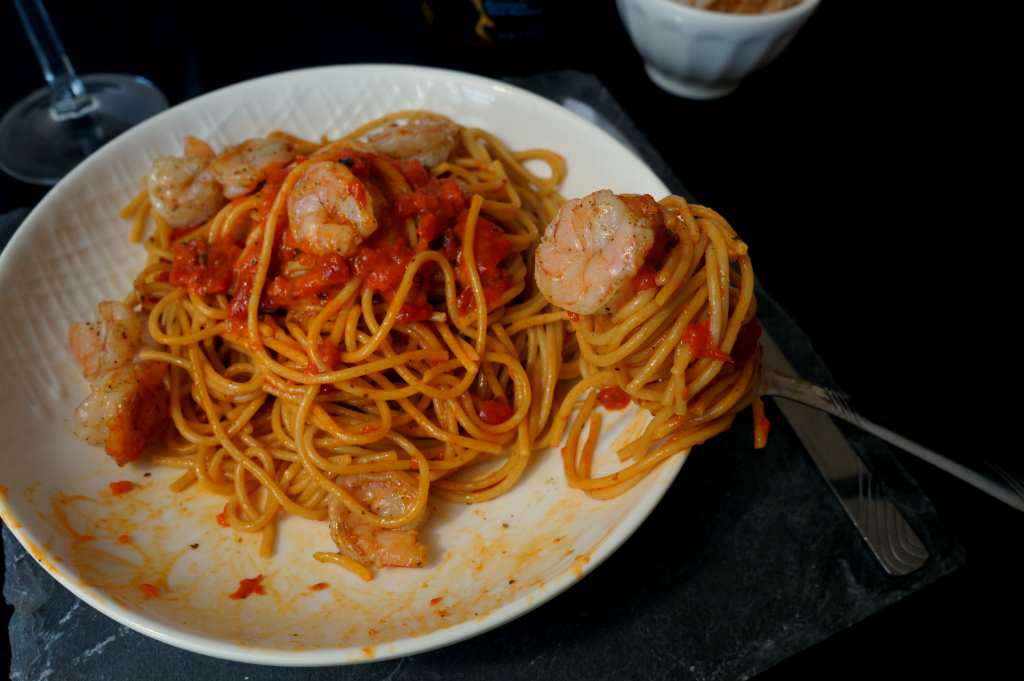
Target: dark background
856,166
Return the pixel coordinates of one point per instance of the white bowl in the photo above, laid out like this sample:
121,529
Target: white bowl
700,54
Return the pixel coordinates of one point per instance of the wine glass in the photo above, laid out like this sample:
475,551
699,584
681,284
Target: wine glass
52,130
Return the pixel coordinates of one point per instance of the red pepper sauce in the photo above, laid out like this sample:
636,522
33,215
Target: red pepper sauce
244,270
271,189
203,268
613,398
436,203
123,539
698,337
119,488
247,587
441,208
242,279
645,205
222,517
644,279
382,265
664,241
746,342
149,590
495,411
384,258
319,586
413,171
490,248
327,270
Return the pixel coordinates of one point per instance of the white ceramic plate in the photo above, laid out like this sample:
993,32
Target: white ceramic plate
489,563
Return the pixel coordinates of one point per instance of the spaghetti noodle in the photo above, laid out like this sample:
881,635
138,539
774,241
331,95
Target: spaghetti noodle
359,324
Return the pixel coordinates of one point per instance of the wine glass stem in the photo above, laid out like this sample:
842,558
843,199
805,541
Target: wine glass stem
67,93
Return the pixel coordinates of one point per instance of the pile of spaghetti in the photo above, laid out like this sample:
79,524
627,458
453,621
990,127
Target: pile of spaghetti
674,331
355,322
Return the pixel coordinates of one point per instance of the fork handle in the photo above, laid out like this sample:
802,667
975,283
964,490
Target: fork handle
775,384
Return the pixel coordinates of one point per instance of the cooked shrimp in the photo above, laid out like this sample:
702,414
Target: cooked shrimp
241,167
182,190
127,407
429,143
110,342
128,404
389,495
330,210
591,250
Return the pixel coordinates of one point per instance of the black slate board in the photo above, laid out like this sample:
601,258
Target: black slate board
748,559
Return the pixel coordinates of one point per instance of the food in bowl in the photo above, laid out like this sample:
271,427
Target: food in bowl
741,6
700,54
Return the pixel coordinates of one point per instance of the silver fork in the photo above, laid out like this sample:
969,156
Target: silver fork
1007,488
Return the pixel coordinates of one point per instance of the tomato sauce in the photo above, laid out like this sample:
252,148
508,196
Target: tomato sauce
329,356
440,205
413,171
664,241
437,204
382,268
698,337
222,517
203,268
119,488
149,590
241,286
327,270
490,247
270,191
746,342
644,279
645,205
247,587
613,398
495,411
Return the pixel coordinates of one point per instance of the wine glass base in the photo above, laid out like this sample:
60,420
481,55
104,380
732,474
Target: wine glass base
38,147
